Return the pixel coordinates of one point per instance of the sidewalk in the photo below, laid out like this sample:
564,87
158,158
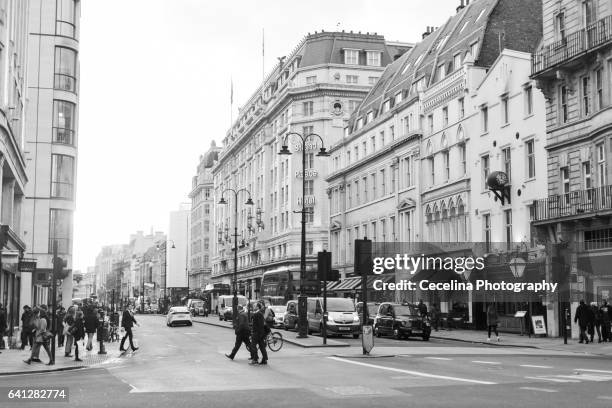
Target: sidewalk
288,336
11,361
516,340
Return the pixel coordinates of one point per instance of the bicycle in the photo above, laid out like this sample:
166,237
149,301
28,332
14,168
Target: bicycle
274,341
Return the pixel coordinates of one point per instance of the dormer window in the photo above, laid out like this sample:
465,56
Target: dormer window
386,106
373,58
370,117
398,97
441,72
359,123
351,57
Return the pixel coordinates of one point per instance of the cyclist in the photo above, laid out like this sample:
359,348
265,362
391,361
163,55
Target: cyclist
260,330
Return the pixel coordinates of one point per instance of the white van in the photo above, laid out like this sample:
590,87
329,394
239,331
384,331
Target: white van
225,305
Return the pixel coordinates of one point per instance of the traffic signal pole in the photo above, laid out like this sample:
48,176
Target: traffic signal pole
54,300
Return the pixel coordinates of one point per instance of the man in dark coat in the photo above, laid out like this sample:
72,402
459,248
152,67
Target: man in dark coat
59,326
27,327
243,334
422,308
584,317
605,320
259,335
127,322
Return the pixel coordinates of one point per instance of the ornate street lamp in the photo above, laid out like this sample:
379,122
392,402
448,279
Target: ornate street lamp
302,323
249,201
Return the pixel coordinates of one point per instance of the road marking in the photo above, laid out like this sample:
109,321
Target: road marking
439,358
587,377
558,380
538,389
594,371
604,397
171,345
535,366
416,373
485,362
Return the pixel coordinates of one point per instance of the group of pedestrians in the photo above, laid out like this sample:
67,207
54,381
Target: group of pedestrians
593,319
262,321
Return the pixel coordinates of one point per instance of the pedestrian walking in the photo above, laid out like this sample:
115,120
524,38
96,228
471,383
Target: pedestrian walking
422,308
269,318
243,334
78,332
492,320
605,320
41,338
3,326
584,316
596,325
434,314
127,322
260,331
27,328
69,322
91,324
59,326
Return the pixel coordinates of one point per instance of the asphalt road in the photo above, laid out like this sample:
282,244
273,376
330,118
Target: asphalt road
185,367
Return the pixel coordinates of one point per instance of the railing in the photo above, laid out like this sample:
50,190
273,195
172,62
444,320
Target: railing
576,43
574,203
63,135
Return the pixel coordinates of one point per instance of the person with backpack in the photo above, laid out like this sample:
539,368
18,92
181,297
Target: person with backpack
269,318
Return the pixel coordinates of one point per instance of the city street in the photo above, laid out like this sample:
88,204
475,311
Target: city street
183,366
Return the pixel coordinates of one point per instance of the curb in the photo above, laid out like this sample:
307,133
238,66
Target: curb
51,370
284,338
483,342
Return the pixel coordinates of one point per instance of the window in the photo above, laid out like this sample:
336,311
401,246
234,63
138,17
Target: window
398,98
372,80
504,109
441,72
474,49
60,230
528,100
486,227
430,123
364,145
309,187
560,26
352,79
508,228
65,18
373,143
382,137
408,171
462,158
445,116
586,176
356,150
386,106
364,182
310,160
309,248
457,61
599,86
348,157
392,132
62,176
565,183
586,95
63,122
563,103
348,195
311,80
507,162
373,180
370,117
383,187
373,58
351,57
392,184
598,239
530,152
484,119
65,69
308,108
445,157
357,195
601,164
432,170
461,103
589,12
484,163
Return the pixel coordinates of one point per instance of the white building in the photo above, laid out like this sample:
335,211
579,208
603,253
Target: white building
177,248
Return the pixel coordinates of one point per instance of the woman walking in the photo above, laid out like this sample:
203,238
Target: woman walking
78,332
41,338
91,325
68,324
492,321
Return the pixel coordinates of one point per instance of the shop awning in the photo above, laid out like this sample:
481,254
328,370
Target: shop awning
348,284
354,283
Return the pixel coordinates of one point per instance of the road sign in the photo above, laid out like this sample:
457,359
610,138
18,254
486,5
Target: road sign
367,338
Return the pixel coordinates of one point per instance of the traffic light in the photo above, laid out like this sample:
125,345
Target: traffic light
323,265
58,268
363,257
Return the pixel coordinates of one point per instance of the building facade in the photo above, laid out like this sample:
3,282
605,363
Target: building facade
177,253
573,68
202,232
311,91
51,137
15,286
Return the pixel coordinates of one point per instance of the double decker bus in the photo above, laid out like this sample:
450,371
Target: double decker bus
285,283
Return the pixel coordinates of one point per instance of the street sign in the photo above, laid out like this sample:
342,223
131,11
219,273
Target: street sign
367,338
27,265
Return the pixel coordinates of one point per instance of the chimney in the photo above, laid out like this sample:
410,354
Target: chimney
461,6
428,31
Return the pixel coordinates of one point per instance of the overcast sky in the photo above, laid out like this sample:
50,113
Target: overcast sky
155,91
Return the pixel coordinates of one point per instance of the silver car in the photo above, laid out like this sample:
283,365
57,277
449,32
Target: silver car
178,315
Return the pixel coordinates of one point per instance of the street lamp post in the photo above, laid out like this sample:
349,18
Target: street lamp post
165,244
249,201
302,324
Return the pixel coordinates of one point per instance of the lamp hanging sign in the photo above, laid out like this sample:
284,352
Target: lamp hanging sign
310,174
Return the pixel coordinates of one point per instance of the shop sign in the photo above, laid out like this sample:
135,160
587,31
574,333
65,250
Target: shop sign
309,146
539,325
310,173
309,201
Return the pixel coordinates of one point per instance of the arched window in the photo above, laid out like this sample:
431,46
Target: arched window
461,221
437,224
445,224
452,213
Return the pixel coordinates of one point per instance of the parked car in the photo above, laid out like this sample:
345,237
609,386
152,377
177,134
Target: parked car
279,315
197,307
178,315
372,310
342,319
225,306
401,320
290,317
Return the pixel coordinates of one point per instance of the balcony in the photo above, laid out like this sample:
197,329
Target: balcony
573,46
575,204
